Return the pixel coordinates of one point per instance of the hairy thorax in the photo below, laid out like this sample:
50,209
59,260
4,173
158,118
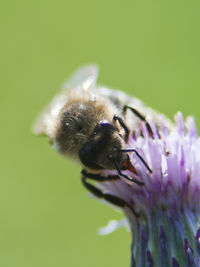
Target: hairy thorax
76,123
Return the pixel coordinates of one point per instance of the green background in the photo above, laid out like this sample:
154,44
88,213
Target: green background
150,49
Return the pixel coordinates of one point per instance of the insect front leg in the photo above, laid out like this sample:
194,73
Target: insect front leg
98,193
140,116
123,125
98,177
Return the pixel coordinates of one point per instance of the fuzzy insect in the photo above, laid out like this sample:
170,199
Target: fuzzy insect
93,124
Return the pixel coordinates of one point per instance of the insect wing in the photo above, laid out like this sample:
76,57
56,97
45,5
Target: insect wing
83,80
120,99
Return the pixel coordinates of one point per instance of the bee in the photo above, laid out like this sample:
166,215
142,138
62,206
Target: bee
92,124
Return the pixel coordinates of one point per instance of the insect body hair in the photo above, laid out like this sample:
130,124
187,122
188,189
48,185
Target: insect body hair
77,120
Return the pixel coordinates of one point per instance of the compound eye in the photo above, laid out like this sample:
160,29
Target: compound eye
88,156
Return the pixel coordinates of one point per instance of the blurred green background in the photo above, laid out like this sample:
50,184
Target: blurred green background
150,49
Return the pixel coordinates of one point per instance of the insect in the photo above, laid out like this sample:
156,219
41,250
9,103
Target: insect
92,124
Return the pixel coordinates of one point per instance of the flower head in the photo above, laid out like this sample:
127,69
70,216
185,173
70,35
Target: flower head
164,213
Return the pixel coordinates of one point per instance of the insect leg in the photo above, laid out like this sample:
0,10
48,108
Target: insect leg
138,155
124,126
98,177
126,176
108,197
140,116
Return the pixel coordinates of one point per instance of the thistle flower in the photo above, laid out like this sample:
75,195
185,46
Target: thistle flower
163,210
164,214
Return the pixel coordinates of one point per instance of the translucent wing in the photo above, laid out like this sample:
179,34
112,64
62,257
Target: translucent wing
120,99
82,81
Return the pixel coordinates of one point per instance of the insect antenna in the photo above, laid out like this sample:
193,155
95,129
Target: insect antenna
124,175
138,155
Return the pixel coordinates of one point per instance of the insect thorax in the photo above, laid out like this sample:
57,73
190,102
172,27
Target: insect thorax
76,123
